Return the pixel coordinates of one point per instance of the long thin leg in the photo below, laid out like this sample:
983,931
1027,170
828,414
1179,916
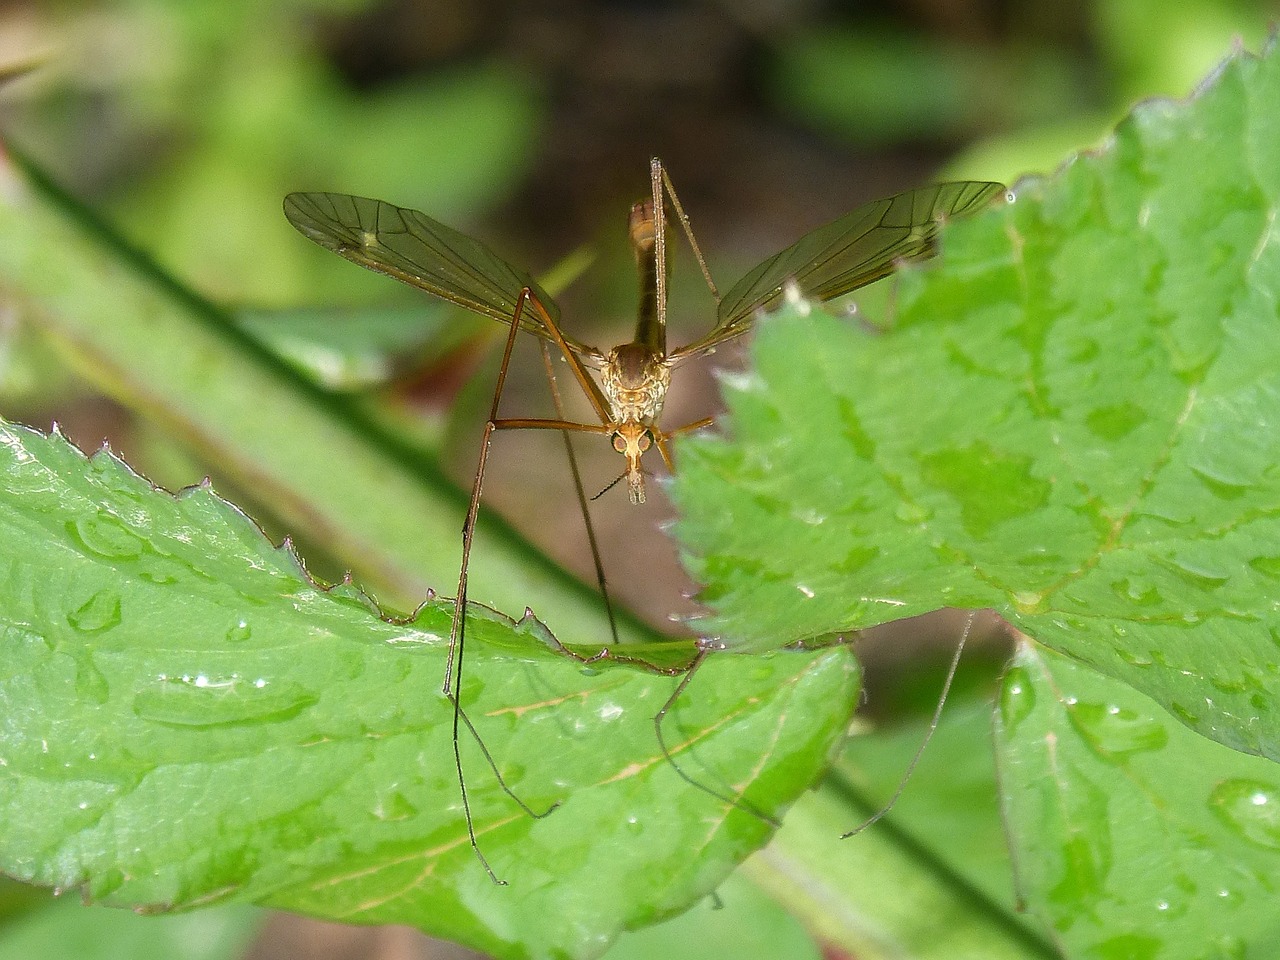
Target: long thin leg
661,715
659,253
933,726
688,229
452,688
599,402
690,427
663,440
457,632
540,423
582,495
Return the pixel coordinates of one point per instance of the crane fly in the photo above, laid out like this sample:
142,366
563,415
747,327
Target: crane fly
628,393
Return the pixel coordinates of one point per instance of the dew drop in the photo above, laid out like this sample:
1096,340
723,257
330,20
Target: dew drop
1116,733
202,701
1184,714
100,612
1250,808
158,577
239,632
91,685
1133,658
394,806
106,536
1017,699
1137,591
1027,600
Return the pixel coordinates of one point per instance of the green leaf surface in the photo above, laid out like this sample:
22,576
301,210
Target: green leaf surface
186,718
1071,420
1135,838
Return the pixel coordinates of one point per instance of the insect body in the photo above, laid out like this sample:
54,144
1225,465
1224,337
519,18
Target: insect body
846,254
838,258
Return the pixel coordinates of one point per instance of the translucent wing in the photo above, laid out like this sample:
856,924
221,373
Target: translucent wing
851,252
422,252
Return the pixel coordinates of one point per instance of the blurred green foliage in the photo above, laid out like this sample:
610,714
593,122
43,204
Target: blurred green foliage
192,120
186,122
1022,100
69,931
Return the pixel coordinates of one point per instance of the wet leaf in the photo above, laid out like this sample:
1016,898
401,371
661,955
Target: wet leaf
1071,420
1134,836
186,718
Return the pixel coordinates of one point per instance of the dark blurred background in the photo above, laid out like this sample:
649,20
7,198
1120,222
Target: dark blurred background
530,124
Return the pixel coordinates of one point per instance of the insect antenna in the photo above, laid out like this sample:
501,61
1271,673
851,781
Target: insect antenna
612,483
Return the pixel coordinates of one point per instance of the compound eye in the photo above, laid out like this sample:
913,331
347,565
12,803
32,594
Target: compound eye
619,443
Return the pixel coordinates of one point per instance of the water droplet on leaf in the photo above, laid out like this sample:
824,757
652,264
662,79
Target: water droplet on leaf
106,536
1251,809
100,612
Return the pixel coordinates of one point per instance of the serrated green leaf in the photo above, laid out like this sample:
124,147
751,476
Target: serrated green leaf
1071,420
1134,836
186,718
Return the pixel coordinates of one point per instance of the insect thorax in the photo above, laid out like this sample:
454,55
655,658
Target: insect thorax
635,380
